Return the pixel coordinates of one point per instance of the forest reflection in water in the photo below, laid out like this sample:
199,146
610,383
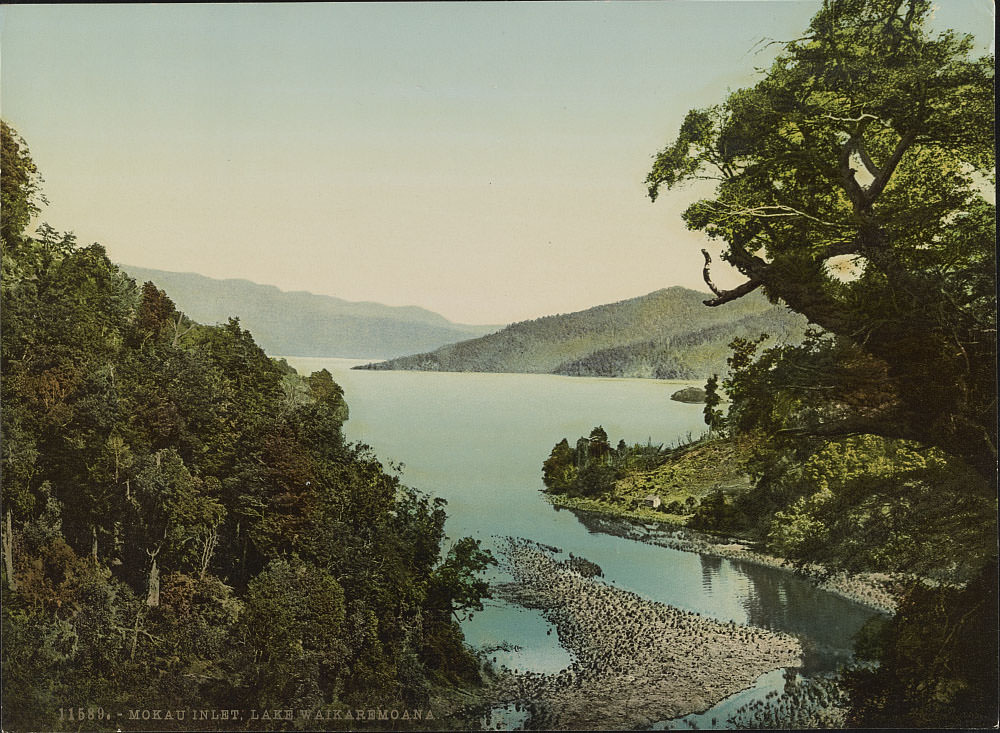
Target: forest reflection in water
768,597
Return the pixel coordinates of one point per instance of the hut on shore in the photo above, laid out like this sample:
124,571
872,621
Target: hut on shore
652,501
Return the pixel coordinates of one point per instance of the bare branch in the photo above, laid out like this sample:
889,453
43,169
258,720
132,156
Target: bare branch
779,210
707,274
210,540
859,118
729,295
724,296
177,329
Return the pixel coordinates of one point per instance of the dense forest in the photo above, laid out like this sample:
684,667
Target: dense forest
306,324
184,524
668,334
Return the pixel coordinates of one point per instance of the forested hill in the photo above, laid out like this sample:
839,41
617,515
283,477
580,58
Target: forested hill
668,334
306,324
184,523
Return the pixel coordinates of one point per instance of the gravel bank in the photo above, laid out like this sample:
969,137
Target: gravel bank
635,661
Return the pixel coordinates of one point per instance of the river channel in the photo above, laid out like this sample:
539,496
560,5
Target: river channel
478,441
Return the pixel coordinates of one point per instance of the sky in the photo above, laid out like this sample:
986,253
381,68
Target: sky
482,160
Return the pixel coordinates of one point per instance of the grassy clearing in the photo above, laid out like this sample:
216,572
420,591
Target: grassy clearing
688,476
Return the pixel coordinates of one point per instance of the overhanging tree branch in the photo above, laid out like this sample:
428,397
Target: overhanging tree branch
724,296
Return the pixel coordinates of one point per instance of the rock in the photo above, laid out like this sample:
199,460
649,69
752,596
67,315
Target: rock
694,395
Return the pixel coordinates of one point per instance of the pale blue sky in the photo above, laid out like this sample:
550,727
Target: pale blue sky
482,160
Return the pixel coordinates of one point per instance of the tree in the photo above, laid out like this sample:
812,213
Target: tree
713,415
172,516
455,585
600,447
291,635
868,143
156,312
559,469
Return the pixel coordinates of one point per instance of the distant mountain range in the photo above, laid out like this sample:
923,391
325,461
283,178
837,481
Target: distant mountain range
668,334
305,324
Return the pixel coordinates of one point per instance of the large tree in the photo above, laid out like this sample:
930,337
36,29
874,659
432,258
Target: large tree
852,183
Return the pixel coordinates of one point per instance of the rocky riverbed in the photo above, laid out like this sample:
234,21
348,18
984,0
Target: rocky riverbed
635,661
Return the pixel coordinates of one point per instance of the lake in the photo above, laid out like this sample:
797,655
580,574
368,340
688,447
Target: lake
479,440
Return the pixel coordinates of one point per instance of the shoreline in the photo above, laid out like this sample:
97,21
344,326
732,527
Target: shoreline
635,661
873,590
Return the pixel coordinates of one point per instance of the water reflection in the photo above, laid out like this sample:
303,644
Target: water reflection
748,593
710,567
517,638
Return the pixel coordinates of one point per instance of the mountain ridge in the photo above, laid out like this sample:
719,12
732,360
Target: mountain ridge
666,334
302,323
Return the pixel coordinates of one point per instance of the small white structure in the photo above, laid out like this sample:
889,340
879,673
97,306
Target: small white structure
652,501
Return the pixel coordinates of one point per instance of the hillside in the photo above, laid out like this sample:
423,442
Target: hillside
668,334
306,324
185,524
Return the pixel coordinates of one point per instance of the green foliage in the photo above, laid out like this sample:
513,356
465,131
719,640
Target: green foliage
872,504
185,524
20,188
593,466
865,144
455,586
559,470
862,502
292,635
713,415
598,447
937,661
596,478
716,513
850,188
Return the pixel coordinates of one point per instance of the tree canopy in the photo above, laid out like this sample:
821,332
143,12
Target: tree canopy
852,184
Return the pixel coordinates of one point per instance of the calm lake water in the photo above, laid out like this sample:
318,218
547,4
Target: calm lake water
478,441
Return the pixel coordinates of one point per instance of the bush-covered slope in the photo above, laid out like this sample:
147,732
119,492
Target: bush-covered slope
184,524
668,334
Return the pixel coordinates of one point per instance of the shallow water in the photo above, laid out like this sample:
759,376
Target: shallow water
478,440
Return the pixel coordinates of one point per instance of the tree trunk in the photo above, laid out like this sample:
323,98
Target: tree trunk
93,547
135,635
8,553
208,549
153,599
